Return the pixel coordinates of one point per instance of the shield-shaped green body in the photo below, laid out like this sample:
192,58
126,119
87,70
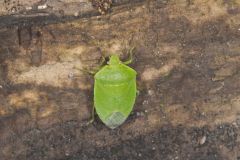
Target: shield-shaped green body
114,92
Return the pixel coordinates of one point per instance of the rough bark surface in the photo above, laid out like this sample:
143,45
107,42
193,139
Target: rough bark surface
187,55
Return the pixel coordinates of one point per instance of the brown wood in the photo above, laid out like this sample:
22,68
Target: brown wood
186,55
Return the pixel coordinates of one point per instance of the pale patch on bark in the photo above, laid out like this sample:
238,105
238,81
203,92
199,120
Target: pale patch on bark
154,73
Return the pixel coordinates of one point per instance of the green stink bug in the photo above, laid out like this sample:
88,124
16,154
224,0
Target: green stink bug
114,92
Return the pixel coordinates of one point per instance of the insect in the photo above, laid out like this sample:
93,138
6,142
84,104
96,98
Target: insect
114,92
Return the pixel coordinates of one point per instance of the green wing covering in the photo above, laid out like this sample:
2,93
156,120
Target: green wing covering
114,94
114,103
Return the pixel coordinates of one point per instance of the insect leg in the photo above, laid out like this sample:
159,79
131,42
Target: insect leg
85,70
92,71
138,92
130,59
96,69
103,60
92,116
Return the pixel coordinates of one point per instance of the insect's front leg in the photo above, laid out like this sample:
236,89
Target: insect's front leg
130,59
94,70
86,70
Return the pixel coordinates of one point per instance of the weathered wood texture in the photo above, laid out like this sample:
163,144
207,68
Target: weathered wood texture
187,59
51,11
46,7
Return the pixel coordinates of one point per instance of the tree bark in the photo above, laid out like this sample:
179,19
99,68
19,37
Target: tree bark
186,55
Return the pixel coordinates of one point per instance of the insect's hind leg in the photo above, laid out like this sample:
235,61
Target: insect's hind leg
130,59
92,116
